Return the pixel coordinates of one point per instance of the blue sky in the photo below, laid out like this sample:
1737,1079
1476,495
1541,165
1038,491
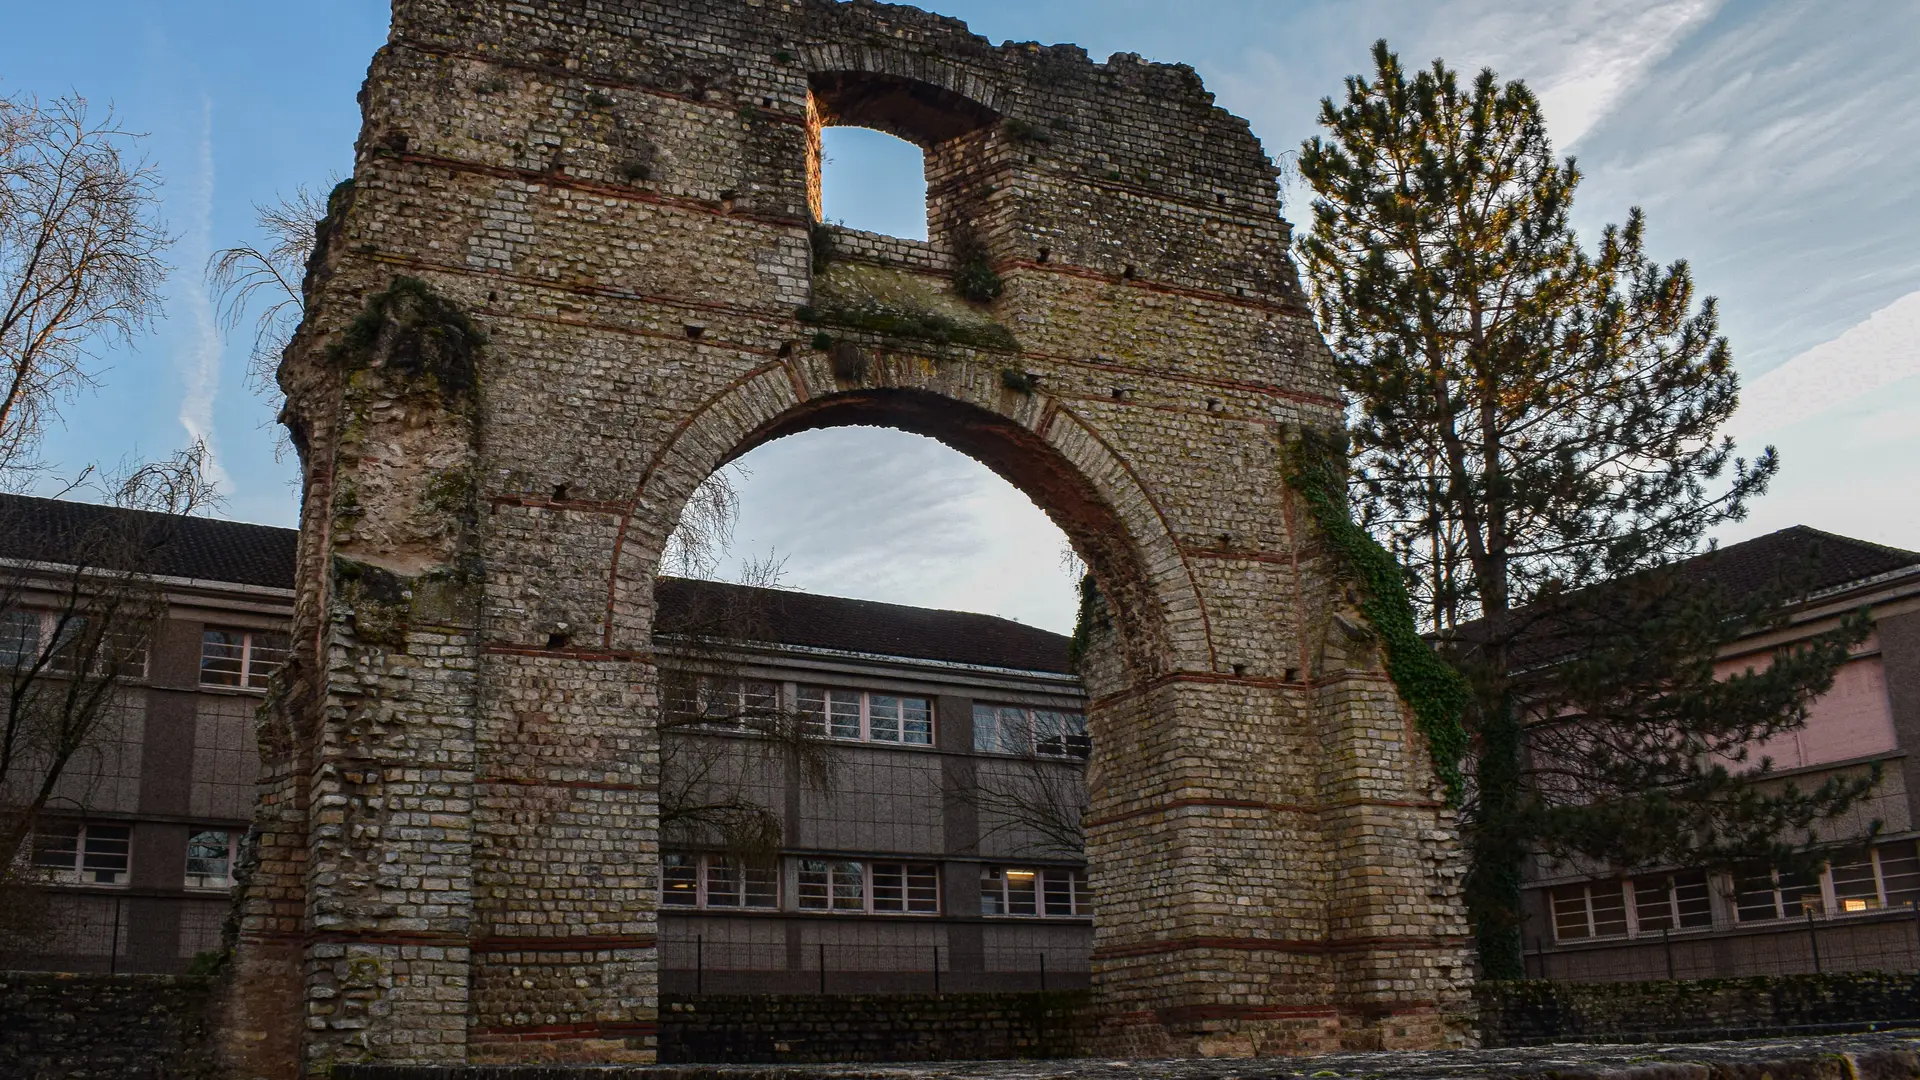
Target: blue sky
1772,143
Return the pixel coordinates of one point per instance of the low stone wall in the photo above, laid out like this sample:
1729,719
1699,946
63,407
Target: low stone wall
110,1027
1526,1013
948,1027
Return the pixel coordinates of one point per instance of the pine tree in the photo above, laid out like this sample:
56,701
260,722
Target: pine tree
1533,420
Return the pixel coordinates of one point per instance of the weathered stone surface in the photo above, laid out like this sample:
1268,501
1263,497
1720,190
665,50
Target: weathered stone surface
1856,1057
567,283
109,1027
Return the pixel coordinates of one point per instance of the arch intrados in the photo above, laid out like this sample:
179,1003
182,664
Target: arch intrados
919,112
1024,459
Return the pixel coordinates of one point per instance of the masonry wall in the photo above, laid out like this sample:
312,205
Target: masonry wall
754,1029
105,1027
598,216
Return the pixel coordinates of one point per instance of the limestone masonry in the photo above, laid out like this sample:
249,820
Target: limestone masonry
577,269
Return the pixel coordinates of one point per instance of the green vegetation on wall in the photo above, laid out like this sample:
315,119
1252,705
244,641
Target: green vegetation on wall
1438,694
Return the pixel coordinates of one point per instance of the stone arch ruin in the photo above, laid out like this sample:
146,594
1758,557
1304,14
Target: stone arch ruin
578,268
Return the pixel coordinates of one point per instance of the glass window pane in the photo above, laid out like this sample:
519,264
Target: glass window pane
993,882
815,893
923,889
762,886
208,864
723,884
1855,889
265,653
1015,730
889,887
1060,734
883,718
19,638
916,718
1058,892
1800,893
1900,872
849,886
1691,898
986,728
1082,894
1570,913
1754,898
843,714
760,701
56,846
1609,909
680,880
221,653
105,860
1653,903
811,703
1021,891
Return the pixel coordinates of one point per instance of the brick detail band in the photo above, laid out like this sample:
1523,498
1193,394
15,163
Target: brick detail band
1272,807
635,1029
564,944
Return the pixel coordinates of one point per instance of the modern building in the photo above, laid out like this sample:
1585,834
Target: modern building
924,771
1859,911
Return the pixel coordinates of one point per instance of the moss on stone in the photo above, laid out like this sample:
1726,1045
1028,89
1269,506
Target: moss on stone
898,304
410,331
1438,694
379,599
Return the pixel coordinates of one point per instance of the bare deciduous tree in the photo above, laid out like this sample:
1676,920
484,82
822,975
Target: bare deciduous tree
80,259
264,279
72,634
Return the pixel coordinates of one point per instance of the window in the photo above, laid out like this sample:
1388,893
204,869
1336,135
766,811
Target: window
83,854
856,714
1013,729
1761,893
715,702
242,658
714,881
210,859
881,888
1672,902
25,634
1594,909
1051,892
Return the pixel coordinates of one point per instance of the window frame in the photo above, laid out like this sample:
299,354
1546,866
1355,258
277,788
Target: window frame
707,688
1829,902
703,865
245,673
1079,893
232,857
1076,742
74,872
870,872
824,729
45,622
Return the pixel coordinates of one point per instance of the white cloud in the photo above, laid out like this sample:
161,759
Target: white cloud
883,515
199,358
1581,59
1872,355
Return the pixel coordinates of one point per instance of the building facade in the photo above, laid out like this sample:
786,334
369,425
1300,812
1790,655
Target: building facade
940,847
139,841
1859,911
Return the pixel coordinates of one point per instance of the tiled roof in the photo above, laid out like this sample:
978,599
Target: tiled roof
737,612
1794,562
1829,560
53,530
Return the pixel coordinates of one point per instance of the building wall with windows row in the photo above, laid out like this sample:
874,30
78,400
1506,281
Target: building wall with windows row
945,838
1861,908
139,841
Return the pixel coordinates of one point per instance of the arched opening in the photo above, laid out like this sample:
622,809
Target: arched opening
919,773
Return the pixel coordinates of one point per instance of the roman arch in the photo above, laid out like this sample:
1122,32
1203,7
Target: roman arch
578,268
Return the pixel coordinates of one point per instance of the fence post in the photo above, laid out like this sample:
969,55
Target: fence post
823,969
1666,939
113,950
699,965
1813,938
936,969
1043,972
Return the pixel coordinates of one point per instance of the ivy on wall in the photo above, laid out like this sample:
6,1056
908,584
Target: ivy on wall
1438,695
